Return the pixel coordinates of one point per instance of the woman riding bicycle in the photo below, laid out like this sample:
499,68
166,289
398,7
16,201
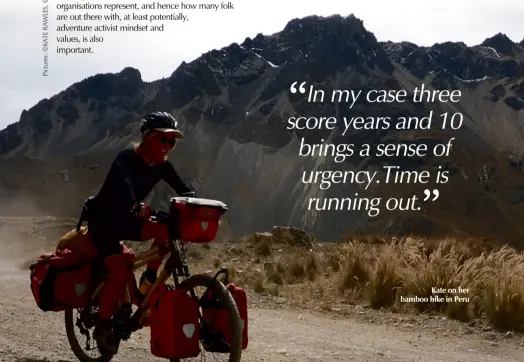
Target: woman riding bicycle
132,176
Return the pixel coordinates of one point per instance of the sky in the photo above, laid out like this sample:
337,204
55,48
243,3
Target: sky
158,54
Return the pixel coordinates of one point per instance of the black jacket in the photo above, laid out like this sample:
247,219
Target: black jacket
130,180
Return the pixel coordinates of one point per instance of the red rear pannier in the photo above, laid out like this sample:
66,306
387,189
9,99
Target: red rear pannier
61,281
174,324
198,219
218,319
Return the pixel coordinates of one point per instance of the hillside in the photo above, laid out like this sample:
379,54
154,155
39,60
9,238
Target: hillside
234,104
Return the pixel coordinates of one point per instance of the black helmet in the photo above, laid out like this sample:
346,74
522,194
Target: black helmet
160,121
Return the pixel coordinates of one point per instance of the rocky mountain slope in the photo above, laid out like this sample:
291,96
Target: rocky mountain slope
234,104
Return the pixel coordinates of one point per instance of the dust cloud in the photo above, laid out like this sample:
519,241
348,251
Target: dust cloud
24,236
19,205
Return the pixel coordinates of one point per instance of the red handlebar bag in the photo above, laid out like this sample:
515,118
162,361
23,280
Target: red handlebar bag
198,219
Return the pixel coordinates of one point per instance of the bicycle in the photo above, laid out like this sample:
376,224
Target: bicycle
127,322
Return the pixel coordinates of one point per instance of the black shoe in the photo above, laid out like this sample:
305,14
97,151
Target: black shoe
105,339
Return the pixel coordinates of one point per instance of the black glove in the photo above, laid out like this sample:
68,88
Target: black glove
136,208
142,210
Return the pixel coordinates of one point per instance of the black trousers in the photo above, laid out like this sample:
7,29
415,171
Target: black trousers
107,230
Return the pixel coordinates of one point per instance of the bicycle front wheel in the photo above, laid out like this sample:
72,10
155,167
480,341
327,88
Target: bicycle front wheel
224,297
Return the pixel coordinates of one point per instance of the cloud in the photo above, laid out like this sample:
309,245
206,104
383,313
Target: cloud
157,55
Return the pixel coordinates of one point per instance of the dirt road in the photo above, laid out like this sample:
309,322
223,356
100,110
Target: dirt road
29,335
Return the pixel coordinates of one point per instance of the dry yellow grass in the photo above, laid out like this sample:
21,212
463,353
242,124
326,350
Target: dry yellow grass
474,278
465,279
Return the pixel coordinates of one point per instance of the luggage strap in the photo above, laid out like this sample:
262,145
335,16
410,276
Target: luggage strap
85,213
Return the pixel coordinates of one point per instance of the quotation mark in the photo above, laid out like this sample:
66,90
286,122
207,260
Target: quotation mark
427,193
301,89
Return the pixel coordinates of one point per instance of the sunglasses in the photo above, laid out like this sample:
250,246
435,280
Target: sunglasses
168,141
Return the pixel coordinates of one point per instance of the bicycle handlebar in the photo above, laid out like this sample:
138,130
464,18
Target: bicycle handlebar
160,216
164,217
168,219
159,213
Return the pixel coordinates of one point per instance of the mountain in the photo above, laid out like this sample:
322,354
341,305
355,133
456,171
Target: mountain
234,104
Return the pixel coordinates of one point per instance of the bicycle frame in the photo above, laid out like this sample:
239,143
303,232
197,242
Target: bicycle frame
174,266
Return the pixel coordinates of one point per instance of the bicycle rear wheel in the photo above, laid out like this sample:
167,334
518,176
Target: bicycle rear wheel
83,322
220,292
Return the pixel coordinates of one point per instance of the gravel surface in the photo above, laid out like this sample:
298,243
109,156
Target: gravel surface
276,334
278,330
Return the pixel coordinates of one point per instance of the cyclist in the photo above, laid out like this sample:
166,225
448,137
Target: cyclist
119,214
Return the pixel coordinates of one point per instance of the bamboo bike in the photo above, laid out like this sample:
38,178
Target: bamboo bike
128,322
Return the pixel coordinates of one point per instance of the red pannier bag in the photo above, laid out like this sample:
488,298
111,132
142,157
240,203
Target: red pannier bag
174,324
198,219
61,280
217,318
